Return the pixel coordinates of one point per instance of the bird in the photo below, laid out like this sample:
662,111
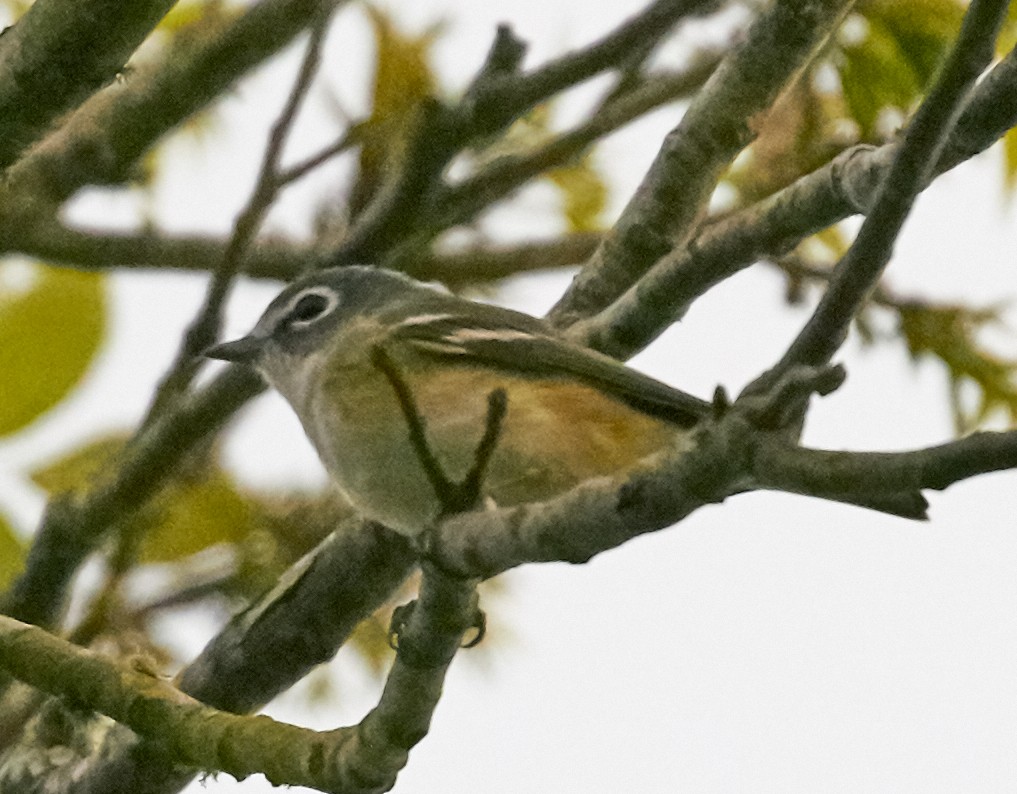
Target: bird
366,356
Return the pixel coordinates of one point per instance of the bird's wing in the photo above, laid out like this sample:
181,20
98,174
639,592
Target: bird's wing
507,340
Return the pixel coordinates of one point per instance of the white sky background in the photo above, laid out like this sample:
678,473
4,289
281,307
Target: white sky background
771,644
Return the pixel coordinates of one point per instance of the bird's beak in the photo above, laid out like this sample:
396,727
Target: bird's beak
240,351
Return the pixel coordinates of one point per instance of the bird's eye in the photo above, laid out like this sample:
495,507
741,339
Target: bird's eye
309,308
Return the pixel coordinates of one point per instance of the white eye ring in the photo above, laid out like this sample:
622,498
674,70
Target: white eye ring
309,306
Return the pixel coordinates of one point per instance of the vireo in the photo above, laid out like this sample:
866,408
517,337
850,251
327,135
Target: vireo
571,413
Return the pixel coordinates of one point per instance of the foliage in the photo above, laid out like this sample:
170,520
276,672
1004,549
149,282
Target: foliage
52,323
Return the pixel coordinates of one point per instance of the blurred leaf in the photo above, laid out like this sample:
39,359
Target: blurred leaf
1008,35
193,515
12,554
895,61
1010,160
190,15
584,194
950,334
796,136
201,508
370,638
50,331
78,470
922,29
403,78
16,7
876,76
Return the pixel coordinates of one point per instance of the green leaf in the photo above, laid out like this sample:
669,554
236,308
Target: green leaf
876,75
78,470
12,554
950,333
1010,160
201,508
51,325
584,194
922,29
403,78
193,515
1008,35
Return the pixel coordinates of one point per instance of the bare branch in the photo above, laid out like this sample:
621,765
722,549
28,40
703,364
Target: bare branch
100,142
205,327
461,202
845,186
502,95
57,54
367,756
856,275
717,126
304,619
731,456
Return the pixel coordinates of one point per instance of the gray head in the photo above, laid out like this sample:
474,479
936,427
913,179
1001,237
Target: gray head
307,313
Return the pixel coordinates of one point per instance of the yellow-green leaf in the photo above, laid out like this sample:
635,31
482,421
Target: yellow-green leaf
876,75
201,508
583,192
187,16
1007,39
12,554
402,79
1010,160
950,333
192,515
51,325
923,29
77,471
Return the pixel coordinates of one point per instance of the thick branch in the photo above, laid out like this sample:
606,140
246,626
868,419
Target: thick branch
102,140
364,758
57,54
718,125
304,619
856,275
71,530
842,188
730,457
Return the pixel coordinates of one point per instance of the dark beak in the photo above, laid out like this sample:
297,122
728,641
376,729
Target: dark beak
241,351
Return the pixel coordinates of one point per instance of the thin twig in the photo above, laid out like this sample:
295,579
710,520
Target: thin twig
720,122
204,329
843,187
856,275
461,202
440,482
497,101
349,139
453,497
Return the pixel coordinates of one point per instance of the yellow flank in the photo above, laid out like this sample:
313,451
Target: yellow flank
556,434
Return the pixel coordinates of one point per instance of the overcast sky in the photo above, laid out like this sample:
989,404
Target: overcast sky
771,644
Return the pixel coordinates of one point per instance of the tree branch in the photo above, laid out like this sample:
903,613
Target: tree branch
100,142
856,275
716,127
731,455
57,54
502,95
365,757
206,326
845,186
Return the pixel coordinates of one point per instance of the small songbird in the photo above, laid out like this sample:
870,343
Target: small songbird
338,342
